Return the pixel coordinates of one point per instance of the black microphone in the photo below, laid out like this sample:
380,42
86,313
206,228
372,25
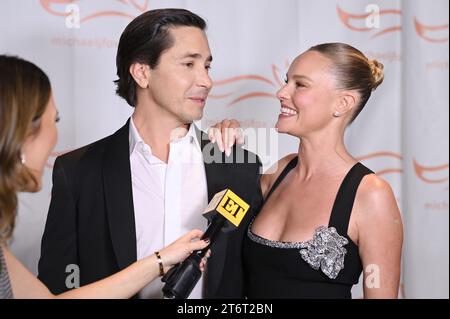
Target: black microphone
225,212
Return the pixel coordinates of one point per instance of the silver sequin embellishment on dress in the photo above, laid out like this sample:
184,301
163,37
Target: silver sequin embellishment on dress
325,251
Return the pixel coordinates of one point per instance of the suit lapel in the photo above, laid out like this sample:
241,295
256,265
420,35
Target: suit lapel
216,176
119,197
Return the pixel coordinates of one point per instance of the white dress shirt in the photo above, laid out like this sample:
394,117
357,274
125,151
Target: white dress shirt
168,198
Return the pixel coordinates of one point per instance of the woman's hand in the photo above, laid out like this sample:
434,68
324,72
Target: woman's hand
226,134
180,249
204,260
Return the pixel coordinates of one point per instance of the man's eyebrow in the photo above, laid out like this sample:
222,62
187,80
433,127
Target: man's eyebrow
196,56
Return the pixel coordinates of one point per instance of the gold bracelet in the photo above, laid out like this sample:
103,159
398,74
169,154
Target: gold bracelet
160,262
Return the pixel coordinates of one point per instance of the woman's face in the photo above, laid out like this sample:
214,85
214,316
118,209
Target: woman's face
308,97
37,147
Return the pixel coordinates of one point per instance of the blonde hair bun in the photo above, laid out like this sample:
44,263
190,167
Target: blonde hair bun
377,73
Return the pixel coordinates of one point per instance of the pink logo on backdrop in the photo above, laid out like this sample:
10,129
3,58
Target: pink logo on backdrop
357,21
392,162
436,174
435,33
127,8
430,32
251,86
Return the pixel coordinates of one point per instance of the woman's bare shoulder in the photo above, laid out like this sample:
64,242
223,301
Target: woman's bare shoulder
270,176
376,204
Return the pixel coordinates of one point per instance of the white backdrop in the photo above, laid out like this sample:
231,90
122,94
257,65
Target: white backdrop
402,134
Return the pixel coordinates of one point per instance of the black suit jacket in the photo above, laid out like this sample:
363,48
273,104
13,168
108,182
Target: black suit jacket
91,223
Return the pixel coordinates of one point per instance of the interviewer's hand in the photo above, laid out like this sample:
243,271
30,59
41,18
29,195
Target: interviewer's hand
226,134
204,260
180,249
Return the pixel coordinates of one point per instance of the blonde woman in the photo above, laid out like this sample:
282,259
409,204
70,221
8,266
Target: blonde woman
326,217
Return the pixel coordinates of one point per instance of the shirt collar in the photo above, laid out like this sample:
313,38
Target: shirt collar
134,136
190,137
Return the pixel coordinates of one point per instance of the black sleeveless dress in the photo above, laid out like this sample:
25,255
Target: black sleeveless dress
327,266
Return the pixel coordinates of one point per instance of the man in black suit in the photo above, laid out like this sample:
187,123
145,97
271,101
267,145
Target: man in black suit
123,197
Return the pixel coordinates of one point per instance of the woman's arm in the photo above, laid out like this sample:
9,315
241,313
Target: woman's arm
380,238
123,284
228,132
23,283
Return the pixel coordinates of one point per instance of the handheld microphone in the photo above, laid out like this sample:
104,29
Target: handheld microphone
225,212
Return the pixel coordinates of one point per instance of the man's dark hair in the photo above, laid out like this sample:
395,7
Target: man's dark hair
144,40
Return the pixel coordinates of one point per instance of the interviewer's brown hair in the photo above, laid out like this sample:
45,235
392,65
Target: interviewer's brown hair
24,93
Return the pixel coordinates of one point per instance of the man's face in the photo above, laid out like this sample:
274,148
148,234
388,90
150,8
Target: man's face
180,83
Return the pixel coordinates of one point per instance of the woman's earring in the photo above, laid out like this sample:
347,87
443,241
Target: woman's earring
336,114
22,159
